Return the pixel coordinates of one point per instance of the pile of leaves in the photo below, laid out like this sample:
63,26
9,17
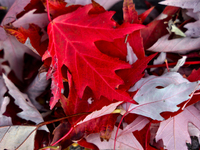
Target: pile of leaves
72,74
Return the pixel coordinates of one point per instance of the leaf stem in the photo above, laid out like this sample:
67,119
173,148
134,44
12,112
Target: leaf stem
146,140
166,63
118,128
173,64
60,119
63,137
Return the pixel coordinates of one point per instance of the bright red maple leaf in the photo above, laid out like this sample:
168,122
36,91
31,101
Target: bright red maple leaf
71,43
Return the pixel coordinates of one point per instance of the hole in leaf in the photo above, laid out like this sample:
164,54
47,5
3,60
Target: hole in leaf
64,72
159,87
2,53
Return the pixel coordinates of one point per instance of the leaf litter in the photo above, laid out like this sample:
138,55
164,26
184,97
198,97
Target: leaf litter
98,82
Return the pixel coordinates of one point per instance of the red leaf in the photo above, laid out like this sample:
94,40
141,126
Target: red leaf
96,8
125,138
75,105
117,48
136,42
194,76
58,7
129,12
134,74
84,143
134,39
72,38
104,125
143,16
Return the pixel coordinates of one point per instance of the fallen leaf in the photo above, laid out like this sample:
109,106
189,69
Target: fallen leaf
129,13
4,120
125,138
134,74
131,57
104,111
7,3
194,76
82,57
179,45
29,112
193,28
103,125
14,53
157,28
75,105
30,17
105,3
17,137
37,87
31,37
17,7
194,4
174,131
159,94
58,7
